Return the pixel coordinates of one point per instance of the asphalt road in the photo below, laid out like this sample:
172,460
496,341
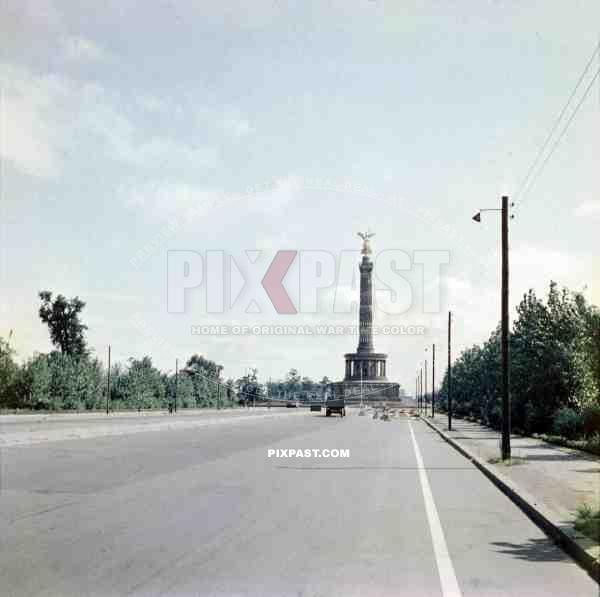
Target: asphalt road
33,422
208,512
28,429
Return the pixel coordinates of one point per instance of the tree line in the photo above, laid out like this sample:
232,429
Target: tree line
554,351
70,377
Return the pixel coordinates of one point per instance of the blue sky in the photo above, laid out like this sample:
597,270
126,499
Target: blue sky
117,119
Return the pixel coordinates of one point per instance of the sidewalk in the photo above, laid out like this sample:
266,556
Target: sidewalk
553,480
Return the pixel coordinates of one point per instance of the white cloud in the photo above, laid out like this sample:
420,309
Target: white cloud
47,118
533,263
80,49
35,17
161,154
589,209
237,127
24,138
476,306
273,199
229,121
151,103
26,132
165,199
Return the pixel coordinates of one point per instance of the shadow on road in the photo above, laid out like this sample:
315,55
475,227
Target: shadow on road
535,550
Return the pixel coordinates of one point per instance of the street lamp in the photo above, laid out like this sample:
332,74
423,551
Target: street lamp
505,323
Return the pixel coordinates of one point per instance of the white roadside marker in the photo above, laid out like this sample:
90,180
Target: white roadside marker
448,580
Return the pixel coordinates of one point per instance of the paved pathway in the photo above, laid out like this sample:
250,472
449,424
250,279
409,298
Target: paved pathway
559,478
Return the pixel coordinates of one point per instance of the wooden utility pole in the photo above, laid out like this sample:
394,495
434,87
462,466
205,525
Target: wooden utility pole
504,337
433,383
449,371
176,381
108,384
421,388
425,393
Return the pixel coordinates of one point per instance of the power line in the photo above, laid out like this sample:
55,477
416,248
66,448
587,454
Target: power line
564,130
525,184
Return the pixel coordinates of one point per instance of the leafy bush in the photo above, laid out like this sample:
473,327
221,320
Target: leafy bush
591,420
568,423
589,444
592,444
57,381
587,521
555,364
8,375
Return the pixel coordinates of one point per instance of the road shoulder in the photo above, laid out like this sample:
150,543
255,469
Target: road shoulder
580,548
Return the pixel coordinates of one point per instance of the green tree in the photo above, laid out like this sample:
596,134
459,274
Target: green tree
185,390
249,390
293,382
554,354
548,369
144,386
76,383
590,343
34,383
8,374
230,395
242,385
307,384
118,387
205,375
57,381
62,317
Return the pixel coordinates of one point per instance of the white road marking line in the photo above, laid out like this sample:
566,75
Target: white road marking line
448,580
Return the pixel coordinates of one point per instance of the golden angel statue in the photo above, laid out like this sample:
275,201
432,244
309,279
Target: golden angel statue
366,249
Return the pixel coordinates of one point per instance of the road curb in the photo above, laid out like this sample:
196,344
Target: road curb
527,504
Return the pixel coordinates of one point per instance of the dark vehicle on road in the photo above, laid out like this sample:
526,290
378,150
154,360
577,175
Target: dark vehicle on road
337,406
